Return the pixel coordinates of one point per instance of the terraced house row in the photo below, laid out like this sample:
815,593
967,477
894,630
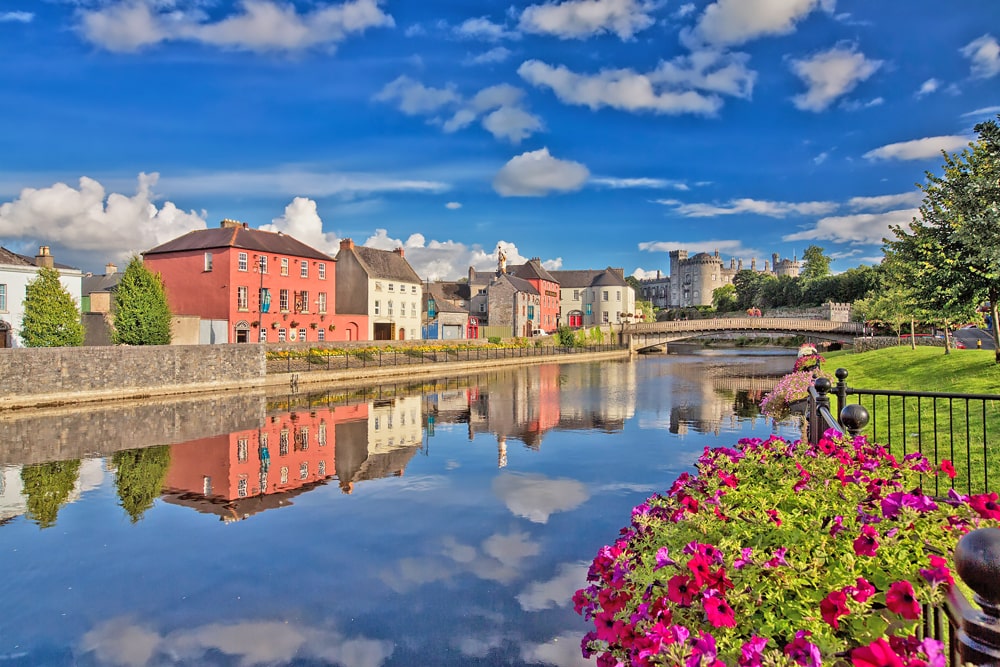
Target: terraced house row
236,284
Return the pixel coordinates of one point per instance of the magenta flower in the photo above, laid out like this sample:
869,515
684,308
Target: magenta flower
802,651
876,654
773,514
719,613
778,559
862,590
663,558
938,572
833,607
838,525
867,542
751,651
681,590
986,505
899,599
743,559
948,468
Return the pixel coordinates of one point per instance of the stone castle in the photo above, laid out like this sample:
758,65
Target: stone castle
693,279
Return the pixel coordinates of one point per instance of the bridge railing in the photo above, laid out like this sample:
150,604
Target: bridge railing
746,324
971,632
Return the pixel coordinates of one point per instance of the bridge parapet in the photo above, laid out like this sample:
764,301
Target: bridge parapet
736,324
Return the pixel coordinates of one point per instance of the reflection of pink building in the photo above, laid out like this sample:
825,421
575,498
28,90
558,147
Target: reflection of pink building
242,473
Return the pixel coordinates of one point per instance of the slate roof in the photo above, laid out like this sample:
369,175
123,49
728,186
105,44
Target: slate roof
14,259
520,284
102,283
533,269
441,300
385,264
455,291
241,238
589,278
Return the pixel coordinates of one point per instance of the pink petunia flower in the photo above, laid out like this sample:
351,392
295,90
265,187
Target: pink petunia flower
833,607
986,505
681,590
899,599
802,651
938,572
862,590
838,525
867,542
663,558
751,651
719,613
948,468
876,654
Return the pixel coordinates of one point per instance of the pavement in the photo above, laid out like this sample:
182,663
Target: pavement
970,336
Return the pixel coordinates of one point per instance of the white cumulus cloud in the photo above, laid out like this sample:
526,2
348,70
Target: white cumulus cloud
859,229
499,107
259,25
830,75
482,28
16,17
927,87
622,89
733,247
918,149
733,22
301,221
772,209
577,19
984,54
537,173
453,205
89,218
886,202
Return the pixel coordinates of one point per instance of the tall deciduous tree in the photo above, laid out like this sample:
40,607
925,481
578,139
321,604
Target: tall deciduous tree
142,316
953,248
815,263
51,316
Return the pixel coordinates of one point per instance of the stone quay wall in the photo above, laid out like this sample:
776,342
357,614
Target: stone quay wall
57,376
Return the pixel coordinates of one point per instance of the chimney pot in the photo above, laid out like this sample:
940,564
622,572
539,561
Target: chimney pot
110,268
44,257
399,251
346,244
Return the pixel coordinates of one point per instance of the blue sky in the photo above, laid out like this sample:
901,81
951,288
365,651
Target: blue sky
588,133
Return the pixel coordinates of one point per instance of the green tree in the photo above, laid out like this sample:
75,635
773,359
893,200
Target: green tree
47,487
142,316
748,284
51,316
724,298
815,264
952,250
139,477
647,310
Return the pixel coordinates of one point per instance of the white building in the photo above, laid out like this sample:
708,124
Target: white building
16,271
381,285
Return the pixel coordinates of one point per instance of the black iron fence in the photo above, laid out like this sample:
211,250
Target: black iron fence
939,425
335,359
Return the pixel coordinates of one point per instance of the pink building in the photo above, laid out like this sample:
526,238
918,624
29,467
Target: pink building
248,285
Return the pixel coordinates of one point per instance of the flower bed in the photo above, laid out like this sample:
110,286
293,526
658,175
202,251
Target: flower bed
794,386
777,553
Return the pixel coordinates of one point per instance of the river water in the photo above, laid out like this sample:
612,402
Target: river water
442,523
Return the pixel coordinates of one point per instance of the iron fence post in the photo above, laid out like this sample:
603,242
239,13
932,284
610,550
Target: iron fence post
977,562
841,374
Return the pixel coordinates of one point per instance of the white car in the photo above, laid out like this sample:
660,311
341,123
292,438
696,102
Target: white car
538,332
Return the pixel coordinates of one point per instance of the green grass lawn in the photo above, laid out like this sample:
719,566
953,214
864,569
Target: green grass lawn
965,432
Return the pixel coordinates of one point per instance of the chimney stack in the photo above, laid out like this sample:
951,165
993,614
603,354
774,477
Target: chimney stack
44,257
399,251
346,244
110,269
229,223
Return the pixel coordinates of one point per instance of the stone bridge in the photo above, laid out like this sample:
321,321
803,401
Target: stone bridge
645,335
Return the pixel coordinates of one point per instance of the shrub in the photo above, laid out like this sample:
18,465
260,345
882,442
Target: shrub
493,340
777,553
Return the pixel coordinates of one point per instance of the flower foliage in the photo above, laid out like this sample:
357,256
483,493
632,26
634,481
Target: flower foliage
779,553
790,388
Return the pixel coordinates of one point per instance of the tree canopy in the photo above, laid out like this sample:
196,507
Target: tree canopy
814,263
139,477
51,315
951,253
47,487
142,315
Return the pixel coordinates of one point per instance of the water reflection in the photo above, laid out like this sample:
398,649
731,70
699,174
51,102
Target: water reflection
443,522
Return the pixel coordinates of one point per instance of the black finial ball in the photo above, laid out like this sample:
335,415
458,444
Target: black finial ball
822,385
854,417
977,561
841,374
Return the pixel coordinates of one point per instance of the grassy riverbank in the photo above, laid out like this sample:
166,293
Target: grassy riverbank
922,369
964,432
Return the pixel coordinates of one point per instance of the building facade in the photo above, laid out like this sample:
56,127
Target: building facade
382,287
548,292
593,297
249,285
16,271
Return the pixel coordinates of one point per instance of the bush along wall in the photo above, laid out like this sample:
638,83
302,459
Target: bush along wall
779,553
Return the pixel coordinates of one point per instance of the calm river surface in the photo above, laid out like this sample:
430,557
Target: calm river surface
446,523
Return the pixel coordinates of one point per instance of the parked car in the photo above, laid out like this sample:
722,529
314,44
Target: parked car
538,332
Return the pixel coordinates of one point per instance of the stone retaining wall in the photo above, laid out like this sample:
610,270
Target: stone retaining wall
881,342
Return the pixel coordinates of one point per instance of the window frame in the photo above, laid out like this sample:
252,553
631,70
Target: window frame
242,262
